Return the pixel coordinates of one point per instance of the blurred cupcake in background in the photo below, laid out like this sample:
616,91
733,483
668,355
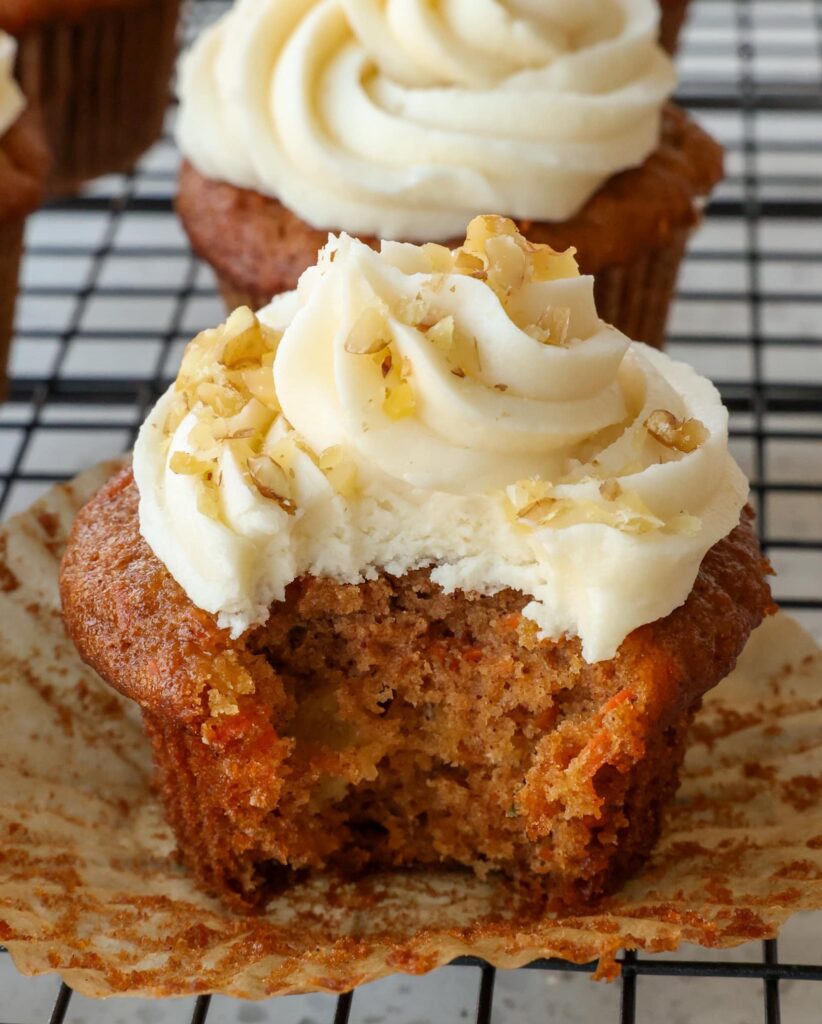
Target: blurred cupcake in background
23,168
403,121
98,72
672,19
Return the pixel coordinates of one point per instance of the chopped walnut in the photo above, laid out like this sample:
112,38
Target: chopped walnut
495,250
369,334
439,258
549,265
272,481
414,311
399,400
610,489
525,495
227,382
243,342
552,326
468,264
224,373
224,400
340,470
186,464
680,435
534,502
507,267
538,511
441,334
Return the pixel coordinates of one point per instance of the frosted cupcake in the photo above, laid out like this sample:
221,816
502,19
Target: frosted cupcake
404,121
98,72
674,13
427,566
23,166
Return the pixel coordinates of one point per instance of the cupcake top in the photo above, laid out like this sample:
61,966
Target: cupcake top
12,101
402,118
465,410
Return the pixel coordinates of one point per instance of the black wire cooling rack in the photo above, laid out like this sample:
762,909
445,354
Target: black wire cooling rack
111,293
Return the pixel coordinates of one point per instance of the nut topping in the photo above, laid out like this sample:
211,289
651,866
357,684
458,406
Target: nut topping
680,435
370,333
272,481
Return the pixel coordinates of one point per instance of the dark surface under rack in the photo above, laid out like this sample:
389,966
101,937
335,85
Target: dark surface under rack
111,294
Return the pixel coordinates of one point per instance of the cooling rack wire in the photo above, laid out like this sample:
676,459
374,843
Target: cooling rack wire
111,293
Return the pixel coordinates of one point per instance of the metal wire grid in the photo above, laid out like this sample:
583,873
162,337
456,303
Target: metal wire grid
111,294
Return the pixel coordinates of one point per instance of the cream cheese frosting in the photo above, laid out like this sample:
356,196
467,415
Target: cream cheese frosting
403,118
466,411
12,101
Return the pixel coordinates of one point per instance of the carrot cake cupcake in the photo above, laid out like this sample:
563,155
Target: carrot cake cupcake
404,121
98,72
23,166
674,13
426,565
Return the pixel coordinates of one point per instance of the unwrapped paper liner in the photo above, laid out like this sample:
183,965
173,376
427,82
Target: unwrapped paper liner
90,887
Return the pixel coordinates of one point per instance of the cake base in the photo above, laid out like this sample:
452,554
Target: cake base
392,724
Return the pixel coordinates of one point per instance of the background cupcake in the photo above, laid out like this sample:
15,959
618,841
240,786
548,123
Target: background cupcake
23,164
673,17
98,72
297,121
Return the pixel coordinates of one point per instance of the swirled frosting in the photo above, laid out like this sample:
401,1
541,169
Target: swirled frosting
11,97
466,411
404,118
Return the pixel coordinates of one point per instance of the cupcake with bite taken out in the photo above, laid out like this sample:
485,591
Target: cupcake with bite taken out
425,565
403,121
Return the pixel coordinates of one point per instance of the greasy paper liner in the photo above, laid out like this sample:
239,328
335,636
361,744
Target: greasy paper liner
11,249
89,886
635,297
672,19
102,86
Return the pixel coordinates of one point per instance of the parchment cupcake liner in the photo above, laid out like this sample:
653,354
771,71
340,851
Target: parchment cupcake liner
101,84
90,886
635,297
11,250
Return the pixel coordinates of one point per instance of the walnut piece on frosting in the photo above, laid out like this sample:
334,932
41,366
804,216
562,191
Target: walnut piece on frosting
681,435
226,380
494,252
535,503
507,257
